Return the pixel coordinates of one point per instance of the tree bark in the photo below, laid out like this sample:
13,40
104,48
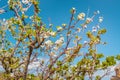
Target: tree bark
27,63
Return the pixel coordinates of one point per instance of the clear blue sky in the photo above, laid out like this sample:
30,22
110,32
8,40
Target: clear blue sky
58,11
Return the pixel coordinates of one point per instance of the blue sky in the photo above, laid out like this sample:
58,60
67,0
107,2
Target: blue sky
58,12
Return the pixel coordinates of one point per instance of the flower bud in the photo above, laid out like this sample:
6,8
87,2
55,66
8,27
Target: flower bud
73,10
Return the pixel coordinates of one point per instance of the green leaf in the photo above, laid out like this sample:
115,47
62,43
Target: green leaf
118,57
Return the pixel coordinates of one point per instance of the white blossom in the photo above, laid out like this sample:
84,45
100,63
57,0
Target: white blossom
100,19
60,41
24,10
48,43
46,35
81,16
25,1
2,11
85,42
98,26
50,25
94,29
8,1
52,33
88,20
59,28
64,25
55,48
98,12
84,26
78,29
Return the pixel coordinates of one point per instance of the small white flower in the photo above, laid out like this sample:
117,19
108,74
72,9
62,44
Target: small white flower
73,8
81,16
25,1
55,48
60,41
48,43
42,46
84,26
88,20
2,11
98,12
52,33
64,25
62,38
4,20
85,42
78,29
100,19
59,28
98,26
25,9
94,29
46,35
8,1
50,25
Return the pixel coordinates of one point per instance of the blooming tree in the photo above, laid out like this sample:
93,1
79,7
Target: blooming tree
60,53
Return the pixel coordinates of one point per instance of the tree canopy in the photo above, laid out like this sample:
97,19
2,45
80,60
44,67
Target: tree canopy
63,52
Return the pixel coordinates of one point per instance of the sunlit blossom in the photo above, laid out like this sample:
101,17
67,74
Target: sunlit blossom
52,33
78,29
48,43
60,41
59,28
88,20
46,35
64,25
81,16
100,19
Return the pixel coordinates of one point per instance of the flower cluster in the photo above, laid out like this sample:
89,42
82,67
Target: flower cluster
60,41
48,43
